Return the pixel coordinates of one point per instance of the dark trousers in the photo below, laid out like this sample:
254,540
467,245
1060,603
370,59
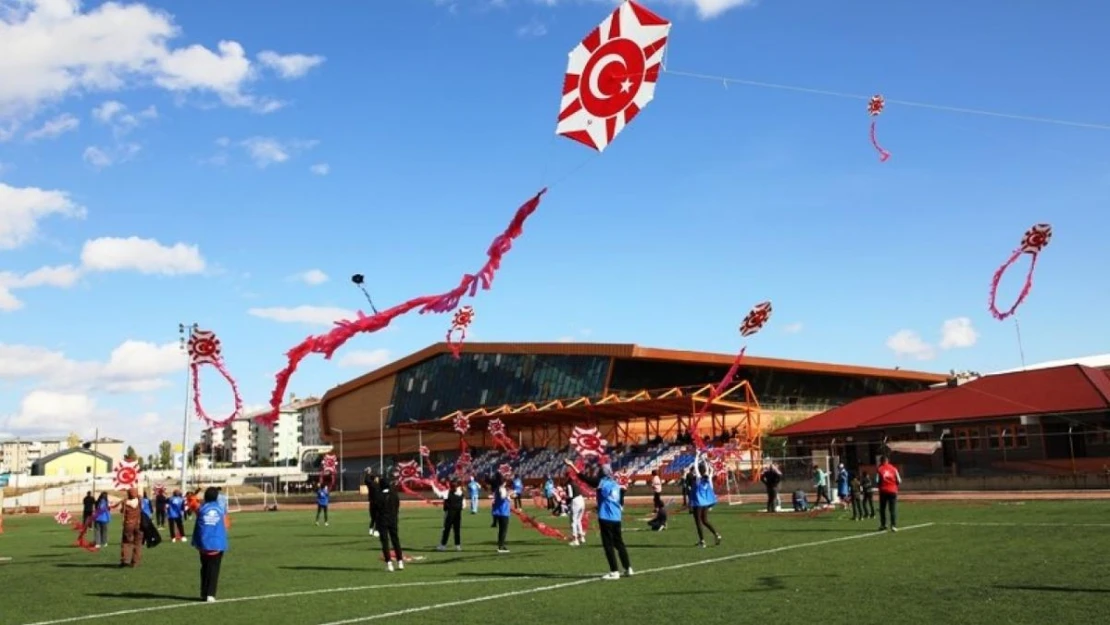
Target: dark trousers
320,509
701,519
613,542
772,497
177,528
869,505
888,500
822,491
657,500
160,517
502,523
210,573
517,502
373,518
388,535
452,522
857,507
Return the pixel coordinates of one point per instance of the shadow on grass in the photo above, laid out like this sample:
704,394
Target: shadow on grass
1070,589
839,530
526,575
71,565
309,567
141,595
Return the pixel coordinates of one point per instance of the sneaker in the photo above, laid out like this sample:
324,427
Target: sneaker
628,573
893,529
611,575
211,599
717,542
389,566
441,547
701,544
326,524
458,547
882,528
375,533
502,550
370,533
663,528
400,565
574,543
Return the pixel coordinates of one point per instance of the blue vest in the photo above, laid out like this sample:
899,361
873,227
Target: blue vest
500,504
322,497
704,496
209,534
147,508
473,488
103,512
518,486
176,507
609,500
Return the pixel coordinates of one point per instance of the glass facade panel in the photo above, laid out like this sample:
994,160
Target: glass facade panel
771,386
443,384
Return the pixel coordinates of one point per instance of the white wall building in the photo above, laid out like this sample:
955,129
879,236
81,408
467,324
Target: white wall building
310,421
17,455
238,440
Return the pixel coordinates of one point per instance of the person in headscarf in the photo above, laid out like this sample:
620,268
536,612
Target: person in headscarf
175,511
704,498
210,540
609,514
131,543
388,505
452,513
101,518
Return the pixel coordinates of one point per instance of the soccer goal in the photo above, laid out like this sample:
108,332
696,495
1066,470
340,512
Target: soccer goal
732,487
269,497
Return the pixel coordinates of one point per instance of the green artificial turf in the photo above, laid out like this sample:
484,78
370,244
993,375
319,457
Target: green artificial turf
1041,562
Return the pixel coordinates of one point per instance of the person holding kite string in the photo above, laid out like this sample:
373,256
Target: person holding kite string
609,514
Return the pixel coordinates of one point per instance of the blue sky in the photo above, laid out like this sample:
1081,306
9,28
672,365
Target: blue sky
394,139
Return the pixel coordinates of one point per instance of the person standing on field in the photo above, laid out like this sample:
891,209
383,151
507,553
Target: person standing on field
889,480
210,539
131,543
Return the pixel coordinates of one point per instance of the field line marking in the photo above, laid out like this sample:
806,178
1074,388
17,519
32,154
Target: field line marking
1005,524
280,595
673,567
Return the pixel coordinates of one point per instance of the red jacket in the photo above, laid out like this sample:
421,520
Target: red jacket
888,479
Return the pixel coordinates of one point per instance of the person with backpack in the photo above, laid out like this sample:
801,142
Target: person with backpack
210,540
889,481
868,488
175,513
388,505
323,498
771,478
452,513
609,515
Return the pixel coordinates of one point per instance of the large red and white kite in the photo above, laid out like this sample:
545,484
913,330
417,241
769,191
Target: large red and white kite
204,349
611,75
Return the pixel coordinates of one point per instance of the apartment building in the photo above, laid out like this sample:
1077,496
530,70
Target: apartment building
18,454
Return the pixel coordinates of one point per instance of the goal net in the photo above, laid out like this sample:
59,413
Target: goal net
800,475
269,497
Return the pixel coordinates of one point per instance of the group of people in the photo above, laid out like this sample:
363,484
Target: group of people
854,490
141,519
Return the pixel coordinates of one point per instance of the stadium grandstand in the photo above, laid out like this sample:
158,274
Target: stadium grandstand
640,398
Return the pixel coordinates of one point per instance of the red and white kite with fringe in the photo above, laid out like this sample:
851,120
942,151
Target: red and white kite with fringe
611,75
204,349
63,517
587,442
424,451
127,474
1033,243
461,424
505,470
407,472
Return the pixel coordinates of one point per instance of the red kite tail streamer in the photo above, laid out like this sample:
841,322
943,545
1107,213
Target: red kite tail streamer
579,466
327,344
406,489
875,108
1033,243
539,526
501,439
883,154
82,528
204,349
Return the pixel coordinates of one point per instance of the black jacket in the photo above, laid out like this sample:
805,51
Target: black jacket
151,537
387,504
454,501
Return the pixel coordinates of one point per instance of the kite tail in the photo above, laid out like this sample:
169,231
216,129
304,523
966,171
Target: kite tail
997,278
452,344
883,154
327,344
539,526
219,365
406,489
695,421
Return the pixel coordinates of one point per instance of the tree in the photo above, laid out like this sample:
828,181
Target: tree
130,454
165,455
73,440
150,461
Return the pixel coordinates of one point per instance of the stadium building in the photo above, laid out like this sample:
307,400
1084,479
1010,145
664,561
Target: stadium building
637,396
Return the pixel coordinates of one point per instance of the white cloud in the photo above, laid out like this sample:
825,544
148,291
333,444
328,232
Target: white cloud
105,157
115,114
146,256
63,276
21,209
909,344
96,157
532,29
958,333
793,328
55,48
266,151
309,315
54,127
289,66
320,169
312,277
366,359
567,339
53,411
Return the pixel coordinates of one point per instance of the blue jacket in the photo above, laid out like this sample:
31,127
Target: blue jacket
473,488
500,502
209,534
147,508
842,483
322,497
548,488
175,509
518,485
609,500
103,512
704,497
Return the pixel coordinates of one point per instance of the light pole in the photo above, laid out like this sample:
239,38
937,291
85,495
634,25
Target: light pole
340,457
183,342
381,439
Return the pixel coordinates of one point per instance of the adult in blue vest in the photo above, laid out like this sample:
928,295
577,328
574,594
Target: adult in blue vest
175,512
609,514
210,539
474,489
703,500
500,510
101,520
147,507
518,492
323,498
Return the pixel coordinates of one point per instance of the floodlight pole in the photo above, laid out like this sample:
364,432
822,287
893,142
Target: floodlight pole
181,331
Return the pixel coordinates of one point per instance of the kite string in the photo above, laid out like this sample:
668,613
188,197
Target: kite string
726,80
1021,348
